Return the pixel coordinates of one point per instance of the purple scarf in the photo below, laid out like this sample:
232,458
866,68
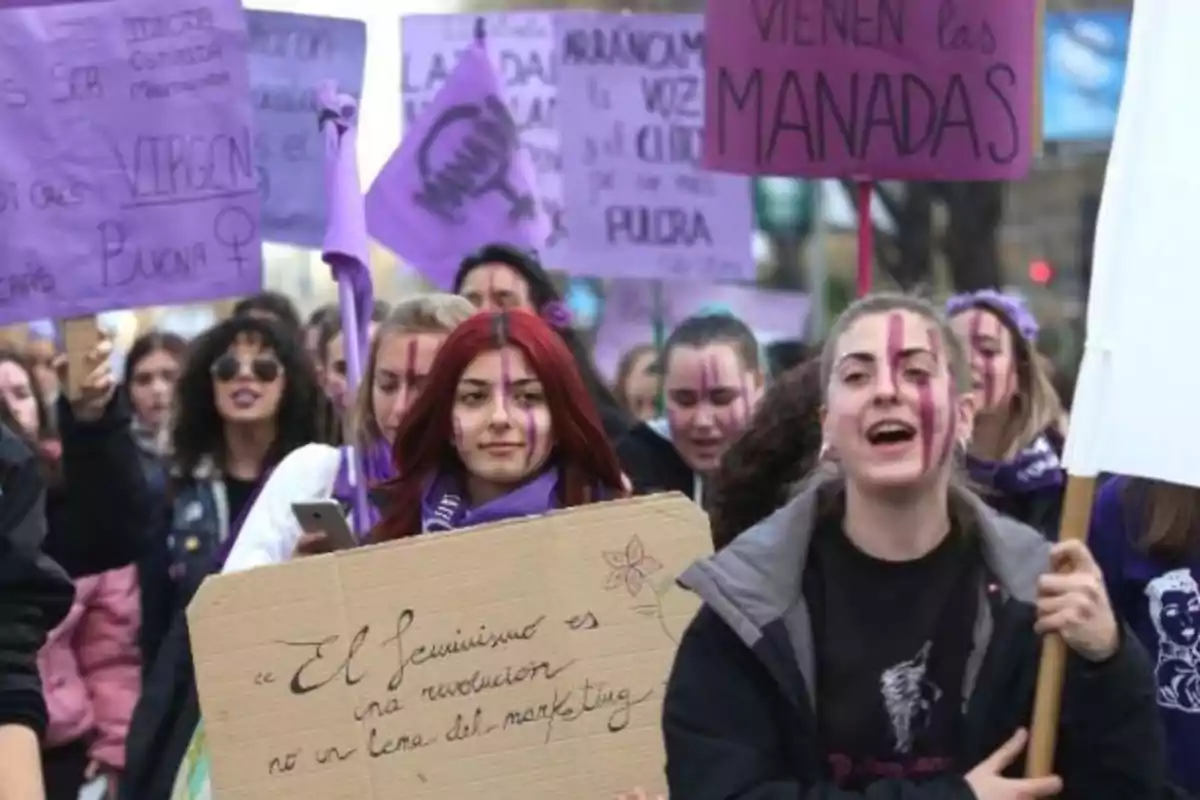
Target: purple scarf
377,460
1034,469
444,507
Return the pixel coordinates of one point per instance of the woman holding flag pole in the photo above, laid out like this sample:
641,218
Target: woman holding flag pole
950,597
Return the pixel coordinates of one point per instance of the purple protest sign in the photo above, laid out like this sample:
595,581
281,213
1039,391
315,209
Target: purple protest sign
631,112
629,314
290,55
43,3
872,89
458,180
127,158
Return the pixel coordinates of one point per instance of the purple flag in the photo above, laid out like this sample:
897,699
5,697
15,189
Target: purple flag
127,172
346,229
458,180
631,112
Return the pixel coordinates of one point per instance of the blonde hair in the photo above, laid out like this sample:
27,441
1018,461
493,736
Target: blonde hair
426,313
1035,407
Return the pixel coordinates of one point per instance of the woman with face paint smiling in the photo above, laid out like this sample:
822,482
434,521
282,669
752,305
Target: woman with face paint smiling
503,429
396,370
712,381
1013,454
499,277
878,637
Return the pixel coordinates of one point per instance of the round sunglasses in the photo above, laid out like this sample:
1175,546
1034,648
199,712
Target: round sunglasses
262,368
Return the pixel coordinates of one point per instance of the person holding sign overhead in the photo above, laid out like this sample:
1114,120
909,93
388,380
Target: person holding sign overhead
878,636
1014,454
503,429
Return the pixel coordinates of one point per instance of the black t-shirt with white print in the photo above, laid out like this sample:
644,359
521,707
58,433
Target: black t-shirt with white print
892,641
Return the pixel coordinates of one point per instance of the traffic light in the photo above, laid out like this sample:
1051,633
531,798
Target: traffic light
1040,272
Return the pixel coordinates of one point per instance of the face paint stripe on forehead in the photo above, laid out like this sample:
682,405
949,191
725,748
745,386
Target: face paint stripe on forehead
895,346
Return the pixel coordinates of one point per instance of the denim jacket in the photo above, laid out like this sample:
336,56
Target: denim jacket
197,525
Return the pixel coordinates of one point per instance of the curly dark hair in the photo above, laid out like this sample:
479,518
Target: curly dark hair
780,445
197,432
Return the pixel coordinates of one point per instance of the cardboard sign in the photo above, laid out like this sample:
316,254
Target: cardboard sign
875,89
511,660
631,111
290,55
1135,398
521,45
127,167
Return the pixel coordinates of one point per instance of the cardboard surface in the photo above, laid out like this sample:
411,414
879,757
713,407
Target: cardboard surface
523,659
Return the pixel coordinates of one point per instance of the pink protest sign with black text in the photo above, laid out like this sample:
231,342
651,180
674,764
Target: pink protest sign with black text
871,89
127,164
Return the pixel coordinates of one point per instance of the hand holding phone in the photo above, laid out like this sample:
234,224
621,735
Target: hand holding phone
324,517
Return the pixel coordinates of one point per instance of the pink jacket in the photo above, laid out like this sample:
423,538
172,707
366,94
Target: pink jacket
90,666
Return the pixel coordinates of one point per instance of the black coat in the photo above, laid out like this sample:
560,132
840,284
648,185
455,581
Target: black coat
652,464
738,717
35,593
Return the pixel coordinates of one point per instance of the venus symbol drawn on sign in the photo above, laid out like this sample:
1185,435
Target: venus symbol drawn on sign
234,228
466,154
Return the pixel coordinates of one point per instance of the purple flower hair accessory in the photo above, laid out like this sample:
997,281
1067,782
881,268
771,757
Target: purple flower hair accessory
557,315
1011,305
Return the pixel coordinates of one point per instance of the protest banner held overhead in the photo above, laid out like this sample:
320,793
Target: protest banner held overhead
631,113
393,671
290,55
129,175
934,89
459,178
521,45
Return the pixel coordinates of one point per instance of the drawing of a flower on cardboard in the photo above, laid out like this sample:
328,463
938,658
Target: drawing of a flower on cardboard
630,567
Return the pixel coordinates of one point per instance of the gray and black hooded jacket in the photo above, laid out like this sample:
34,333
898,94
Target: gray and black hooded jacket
739,718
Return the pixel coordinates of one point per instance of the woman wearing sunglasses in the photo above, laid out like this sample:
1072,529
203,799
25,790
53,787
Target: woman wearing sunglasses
245,399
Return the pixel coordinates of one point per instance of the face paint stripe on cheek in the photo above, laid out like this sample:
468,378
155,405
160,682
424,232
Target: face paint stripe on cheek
926,412
951,415
987,373
895,345
744,401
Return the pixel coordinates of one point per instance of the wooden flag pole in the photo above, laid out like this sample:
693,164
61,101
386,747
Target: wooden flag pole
80,335
1047,701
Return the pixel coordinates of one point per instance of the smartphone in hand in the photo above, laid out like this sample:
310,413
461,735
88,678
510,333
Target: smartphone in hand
325,516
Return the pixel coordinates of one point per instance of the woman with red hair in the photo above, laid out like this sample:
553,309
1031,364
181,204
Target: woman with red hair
504,428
